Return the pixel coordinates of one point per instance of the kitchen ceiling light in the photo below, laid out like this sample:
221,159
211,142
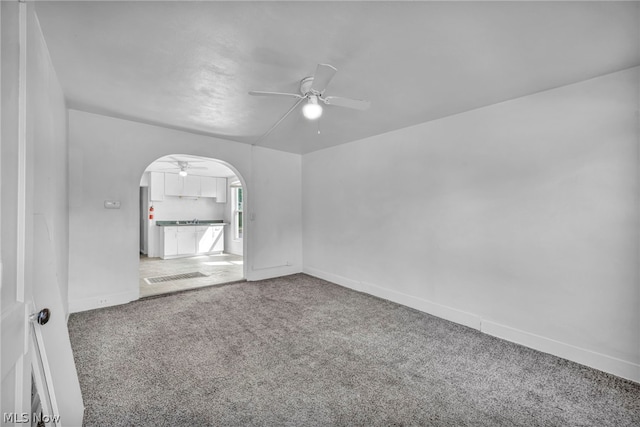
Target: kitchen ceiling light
312,110
182,173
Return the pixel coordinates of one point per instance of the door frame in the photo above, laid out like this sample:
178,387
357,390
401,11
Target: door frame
15,354
243,183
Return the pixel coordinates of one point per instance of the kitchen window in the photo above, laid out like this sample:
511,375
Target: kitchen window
236,194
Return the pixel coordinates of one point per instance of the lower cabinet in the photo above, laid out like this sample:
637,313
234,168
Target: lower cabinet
192,240
186,241
169,242
210,239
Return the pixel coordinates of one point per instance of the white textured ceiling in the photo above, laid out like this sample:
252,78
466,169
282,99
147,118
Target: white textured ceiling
189,65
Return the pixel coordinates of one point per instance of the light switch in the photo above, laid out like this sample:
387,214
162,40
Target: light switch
112,204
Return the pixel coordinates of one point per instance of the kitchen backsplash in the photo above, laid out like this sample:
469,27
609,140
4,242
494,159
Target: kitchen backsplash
176,208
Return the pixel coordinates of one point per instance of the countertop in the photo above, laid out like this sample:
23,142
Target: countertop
188,223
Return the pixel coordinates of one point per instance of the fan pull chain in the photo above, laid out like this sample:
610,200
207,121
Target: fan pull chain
318,127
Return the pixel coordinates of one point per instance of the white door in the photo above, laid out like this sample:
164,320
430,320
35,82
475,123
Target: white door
27,255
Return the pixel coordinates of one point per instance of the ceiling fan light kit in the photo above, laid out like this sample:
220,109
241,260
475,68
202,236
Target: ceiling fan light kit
182,165
312,110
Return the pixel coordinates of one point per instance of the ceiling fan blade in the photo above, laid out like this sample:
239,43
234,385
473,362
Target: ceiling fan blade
262,93
196,167
322,77
302,98
356,104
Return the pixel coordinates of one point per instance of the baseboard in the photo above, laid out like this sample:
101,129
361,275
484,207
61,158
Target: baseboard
271,272
333,278
84,304
612,365
442,311
602,362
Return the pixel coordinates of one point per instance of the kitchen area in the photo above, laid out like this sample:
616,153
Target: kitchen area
190,225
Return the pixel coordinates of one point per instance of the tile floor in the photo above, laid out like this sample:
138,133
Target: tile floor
222,268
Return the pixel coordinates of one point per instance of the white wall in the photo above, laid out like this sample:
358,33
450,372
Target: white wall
107,157
519,219
281,175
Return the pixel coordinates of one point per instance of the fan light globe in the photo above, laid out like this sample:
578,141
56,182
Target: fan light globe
182,173
312,110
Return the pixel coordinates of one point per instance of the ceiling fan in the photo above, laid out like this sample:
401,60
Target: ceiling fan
312,90
182,165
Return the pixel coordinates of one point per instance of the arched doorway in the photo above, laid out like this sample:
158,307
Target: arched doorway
191,225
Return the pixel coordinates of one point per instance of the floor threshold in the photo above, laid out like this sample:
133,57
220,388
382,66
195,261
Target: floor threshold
181,291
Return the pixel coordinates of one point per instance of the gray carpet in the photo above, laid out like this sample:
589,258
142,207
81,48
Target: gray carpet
300,351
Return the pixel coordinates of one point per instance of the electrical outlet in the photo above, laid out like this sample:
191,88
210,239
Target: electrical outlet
102,301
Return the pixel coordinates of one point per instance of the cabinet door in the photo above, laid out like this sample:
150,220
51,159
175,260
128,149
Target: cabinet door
186,240
204,239
156,186
172,184
221,190
191,186
208,186
218,239
170,246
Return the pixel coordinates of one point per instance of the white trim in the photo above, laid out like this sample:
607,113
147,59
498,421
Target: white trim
442,311
22,153
42,373
92,303
271,272
333,278
603,362
439,310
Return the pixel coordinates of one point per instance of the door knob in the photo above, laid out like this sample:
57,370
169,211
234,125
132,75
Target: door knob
41,317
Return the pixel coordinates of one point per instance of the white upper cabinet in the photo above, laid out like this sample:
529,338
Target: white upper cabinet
191,186
208,186
172,184
221,190
175,185
156,186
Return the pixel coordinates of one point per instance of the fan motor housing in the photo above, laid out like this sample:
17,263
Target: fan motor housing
305,85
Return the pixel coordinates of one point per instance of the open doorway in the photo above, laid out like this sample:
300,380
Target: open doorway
191,225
